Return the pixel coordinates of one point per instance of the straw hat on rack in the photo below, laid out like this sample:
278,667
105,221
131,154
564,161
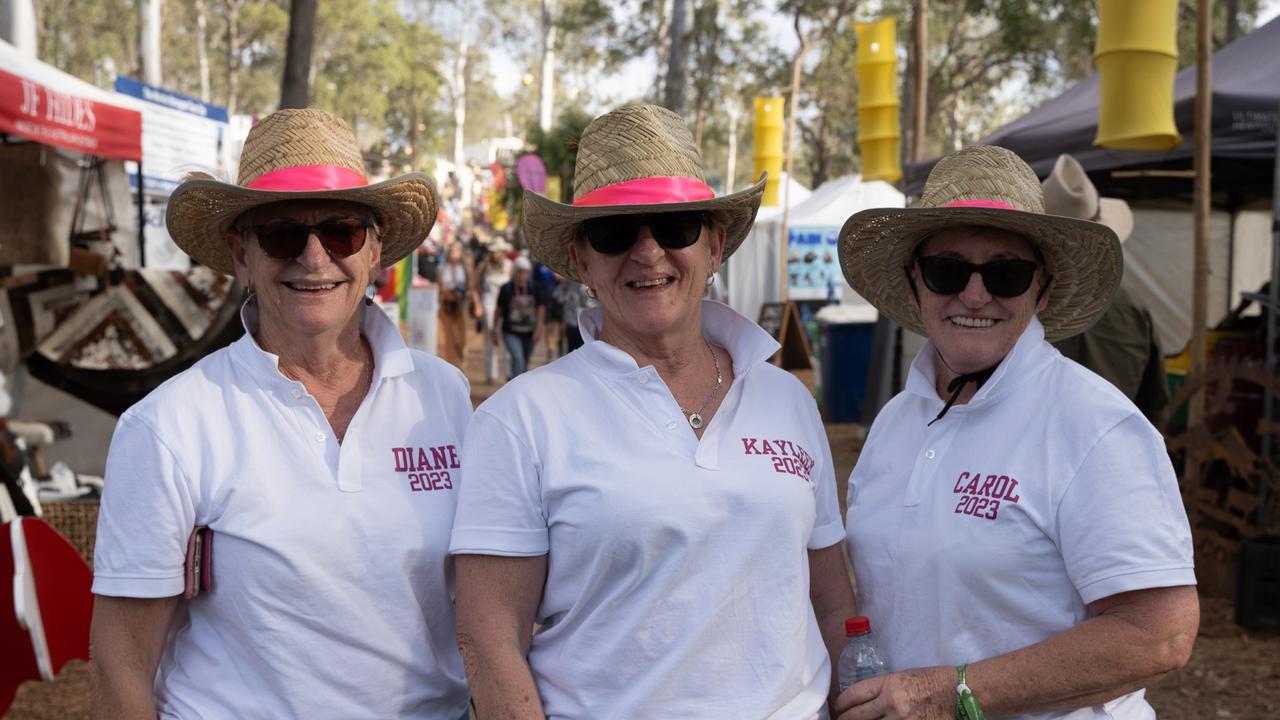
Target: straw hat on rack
985,186
638,159
292,155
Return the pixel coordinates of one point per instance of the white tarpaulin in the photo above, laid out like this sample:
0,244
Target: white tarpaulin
1159,270
754,274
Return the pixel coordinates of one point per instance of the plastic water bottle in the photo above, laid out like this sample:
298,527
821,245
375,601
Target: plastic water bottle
861,658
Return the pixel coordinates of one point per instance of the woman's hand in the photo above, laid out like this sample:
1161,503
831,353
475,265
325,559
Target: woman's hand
922,694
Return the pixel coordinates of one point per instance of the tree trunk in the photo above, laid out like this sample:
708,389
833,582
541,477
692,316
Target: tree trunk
920,80
662,47
202,49
730,172
1233,20
460,86
233,8
415,135
678,59
295,89
149,41
547,86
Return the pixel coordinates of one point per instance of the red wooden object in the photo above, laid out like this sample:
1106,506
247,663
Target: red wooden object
46,603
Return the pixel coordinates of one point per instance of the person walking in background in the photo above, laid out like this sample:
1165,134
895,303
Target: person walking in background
545,282
519,317
492,273
1122,345
660,503
319,451
1014,522
455,291
573,297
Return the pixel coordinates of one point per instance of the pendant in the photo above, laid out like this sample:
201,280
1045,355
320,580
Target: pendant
695,421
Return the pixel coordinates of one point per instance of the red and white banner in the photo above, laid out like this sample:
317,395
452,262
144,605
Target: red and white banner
47,115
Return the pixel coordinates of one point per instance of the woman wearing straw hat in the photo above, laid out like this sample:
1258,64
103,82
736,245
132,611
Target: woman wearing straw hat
659,500
320,451
1014,522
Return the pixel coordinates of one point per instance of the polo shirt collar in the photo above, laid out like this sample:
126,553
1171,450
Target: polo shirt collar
748,344
1028,351
391,356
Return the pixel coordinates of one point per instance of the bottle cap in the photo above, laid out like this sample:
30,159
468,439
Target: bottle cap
860,625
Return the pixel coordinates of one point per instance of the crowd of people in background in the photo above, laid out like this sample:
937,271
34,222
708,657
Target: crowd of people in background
490,285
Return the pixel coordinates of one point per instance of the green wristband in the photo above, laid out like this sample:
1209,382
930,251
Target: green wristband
967,706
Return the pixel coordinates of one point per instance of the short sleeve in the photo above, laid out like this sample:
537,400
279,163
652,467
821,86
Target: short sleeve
827,526
147,513
500,509
1121,524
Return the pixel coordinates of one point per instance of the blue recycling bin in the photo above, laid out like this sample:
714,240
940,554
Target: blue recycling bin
845,338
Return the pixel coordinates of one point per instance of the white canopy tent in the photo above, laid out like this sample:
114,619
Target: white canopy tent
754,273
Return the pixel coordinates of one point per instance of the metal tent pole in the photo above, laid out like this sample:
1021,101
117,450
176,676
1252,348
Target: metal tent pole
142,220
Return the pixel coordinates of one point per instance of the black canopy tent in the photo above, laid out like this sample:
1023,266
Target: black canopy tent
1246,103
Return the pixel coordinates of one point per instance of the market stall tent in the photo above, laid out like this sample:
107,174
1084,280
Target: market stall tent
754,275
1246,101
38,102
1158,185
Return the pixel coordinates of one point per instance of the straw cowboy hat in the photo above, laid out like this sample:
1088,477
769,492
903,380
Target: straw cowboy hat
291,155
1069,192
986,186
636,160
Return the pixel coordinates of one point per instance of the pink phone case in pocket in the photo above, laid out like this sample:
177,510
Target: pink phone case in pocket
198,565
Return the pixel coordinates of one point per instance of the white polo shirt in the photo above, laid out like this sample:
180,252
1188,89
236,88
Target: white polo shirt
678,576
332,589
992,529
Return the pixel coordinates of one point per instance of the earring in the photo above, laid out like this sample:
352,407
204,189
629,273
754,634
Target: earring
368,301
711,279
591,293
251,295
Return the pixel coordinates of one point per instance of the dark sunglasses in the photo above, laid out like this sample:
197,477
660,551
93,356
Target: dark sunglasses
1002,278
286,239
615,234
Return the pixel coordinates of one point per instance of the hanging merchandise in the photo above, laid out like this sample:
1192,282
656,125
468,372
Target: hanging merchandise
768,146
879,133
1137,57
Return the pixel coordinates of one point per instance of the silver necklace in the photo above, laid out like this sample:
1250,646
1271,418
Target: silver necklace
695,418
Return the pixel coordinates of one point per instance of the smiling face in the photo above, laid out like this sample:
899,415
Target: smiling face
315,293
649,291
973,329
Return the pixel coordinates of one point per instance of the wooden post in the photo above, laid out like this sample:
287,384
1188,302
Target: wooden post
789,155
921,83
1203,185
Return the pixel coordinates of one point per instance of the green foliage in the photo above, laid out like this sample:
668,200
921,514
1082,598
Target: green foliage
558,148
78,37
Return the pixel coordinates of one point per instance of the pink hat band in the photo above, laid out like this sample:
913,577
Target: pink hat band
982,204
309,178
647,191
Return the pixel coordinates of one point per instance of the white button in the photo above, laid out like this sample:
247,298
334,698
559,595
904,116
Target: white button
642,379
319,437
929,454
297,393
671,425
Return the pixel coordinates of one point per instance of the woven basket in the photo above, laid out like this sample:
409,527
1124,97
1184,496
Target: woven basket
77,520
